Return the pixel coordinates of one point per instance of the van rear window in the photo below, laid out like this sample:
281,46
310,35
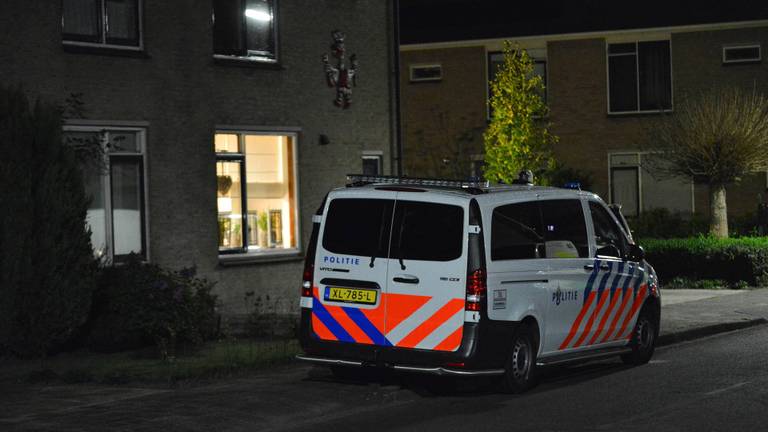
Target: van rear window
358,227
427,231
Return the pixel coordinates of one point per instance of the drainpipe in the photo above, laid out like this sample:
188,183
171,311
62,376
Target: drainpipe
397,154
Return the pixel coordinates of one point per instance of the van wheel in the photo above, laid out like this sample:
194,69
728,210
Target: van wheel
643,340
520,369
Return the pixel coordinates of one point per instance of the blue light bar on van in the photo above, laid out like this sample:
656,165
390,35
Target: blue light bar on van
572,185
414,181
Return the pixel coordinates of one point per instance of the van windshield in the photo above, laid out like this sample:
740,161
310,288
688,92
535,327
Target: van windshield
358,227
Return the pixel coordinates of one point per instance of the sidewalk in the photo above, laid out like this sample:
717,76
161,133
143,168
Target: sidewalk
690,314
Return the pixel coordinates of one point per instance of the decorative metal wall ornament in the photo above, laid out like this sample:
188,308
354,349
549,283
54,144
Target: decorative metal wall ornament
341,77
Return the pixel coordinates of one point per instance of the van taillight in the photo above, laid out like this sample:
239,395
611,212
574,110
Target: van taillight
306,284
476,287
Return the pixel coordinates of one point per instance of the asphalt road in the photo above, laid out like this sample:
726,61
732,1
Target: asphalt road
718,383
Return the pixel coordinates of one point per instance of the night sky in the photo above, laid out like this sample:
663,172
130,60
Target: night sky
442,20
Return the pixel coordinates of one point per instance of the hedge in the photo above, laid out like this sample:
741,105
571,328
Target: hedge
733,260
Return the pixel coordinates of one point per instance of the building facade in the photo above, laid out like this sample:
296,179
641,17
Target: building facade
605,89
223,123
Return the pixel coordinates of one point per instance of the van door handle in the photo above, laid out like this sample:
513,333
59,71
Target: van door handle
408,280
590,267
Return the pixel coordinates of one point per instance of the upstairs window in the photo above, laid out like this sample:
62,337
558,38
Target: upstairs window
742,54
496,61
245,29
106,23
639,77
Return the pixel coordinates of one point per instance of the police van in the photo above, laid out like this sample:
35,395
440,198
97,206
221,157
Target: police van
468,279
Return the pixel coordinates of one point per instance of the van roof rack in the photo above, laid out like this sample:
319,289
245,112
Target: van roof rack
473,186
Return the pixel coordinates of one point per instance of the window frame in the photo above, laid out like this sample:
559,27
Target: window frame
251,59
104,22
757,45
489,78
237,255
376,155
106,179
413,67
636,54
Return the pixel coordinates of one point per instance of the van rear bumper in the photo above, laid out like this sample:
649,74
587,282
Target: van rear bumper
483,351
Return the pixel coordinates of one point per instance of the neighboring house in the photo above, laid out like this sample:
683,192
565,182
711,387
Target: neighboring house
223,134
605,85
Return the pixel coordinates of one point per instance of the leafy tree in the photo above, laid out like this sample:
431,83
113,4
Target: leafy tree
714,138
518,136
46,261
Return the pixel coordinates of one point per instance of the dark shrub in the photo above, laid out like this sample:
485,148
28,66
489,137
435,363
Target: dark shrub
661,223
46,261
734,260
137,304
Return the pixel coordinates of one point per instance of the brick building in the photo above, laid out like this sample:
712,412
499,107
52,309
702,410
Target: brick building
608,75
223,135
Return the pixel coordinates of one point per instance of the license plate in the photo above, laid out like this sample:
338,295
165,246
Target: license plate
350,295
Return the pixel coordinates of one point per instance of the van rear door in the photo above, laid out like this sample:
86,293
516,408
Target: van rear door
427,273
351,268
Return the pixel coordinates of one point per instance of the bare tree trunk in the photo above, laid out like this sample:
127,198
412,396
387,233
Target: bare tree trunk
718,226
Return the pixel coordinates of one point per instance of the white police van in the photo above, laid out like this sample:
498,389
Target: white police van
463,278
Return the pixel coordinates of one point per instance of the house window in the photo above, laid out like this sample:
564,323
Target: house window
371,164
114,180
636,184
245,29
421,73
742,54
639,77
256,192
496,60
104,23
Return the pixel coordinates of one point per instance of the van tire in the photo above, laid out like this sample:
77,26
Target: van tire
520,367
643,341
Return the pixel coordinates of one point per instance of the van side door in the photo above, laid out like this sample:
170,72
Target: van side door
571,273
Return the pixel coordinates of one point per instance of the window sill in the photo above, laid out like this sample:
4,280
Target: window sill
639,113
249,258
248,62
105,50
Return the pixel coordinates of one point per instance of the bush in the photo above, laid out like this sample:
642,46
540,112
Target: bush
137,304
661,223
737,261
47,267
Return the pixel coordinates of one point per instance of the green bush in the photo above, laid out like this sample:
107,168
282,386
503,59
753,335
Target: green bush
661,223
137,304
47,267
737,261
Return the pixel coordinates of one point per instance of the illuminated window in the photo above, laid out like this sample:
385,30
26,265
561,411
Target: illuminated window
245,29
107,23
115,184
256,192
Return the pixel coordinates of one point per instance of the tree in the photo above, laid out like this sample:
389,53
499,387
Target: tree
46,261
714,138
518,136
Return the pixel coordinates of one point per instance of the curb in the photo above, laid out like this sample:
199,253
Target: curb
700,332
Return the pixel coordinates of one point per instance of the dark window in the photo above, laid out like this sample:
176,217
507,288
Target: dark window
427,231
496,60
609,239
104,22
563,220
426,73
245,28
372,165
358,227
517,232
639,76
742,54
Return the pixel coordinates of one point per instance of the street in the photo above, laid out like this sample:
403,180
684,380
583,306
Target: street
716,383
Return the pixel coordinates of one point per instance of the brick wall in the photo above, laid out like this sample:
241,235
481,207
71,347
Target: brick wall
183,95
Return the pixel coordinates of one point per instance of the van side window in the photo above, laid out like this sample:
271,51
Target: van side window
564,228
516,232
608,237
358,227
427,231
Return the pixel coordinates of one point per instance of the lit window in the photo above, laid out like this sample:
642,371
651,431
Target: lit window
245,29
110,23
256,192
114,180
639,77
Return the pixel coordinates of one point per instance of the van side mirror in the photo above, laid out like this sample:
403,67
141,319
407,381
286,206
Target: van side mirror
636,253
